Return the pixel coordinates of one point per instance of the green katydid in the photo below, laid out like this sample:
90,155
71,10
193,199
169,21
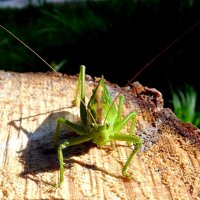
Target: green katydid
101,123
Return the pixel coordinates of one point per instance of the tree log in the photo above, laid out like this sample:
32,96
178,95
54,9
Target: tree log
167,166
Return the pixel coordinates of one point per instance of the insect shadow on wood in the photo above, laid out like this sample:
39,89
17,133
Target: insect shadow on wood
39,155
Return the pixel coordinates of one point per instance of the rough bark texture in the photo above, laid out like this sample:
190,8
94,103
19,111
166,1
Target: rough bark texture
167,167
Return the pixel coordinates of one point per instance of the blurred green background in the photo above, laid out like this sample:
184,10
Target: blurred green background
115,38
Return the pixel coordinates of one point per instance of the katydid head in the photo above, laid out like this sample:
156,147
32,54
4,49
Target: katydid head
101,135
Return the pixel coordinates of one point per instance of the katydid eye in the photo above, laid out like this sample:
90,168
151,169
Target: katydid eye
107,125
92,125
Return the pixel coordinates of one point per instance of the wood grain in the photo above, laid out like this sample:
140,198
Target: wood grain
167,167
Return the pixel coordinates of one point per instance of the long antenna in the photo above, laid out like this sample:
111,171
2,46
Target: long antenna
163,51
155,58
30,49
136,75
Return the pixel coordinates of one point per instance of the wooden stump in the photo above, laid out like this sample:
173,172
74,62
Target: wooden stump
167,167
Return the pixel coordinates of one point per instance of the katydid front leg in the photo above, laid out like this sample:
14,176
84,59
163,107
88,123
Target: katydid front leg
131,137
136,140
69,142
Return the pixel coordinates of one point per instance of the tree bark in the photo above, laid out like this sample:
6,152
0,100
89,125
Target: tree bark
167,166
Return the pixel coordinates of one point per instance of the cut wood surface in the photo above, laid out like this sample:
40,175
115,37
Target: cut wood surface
167,166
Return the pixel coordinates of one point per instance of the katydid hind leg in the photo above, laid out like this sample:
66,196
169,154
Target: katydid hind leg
83,108
57,131
77,91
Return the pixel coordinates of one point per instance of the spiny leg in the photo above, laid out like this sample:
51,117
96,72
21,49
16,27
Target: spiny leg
70,142
132,131
130,139
134,139
83,137
72,126
57,132
138,144
119,123
77,91
80,87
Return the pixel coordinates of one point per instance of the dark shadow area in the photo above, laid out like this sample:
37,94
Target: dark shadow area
95,168
39,154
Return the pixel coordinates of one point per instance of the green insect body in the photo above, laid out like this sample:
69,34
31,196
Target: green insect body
101,123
